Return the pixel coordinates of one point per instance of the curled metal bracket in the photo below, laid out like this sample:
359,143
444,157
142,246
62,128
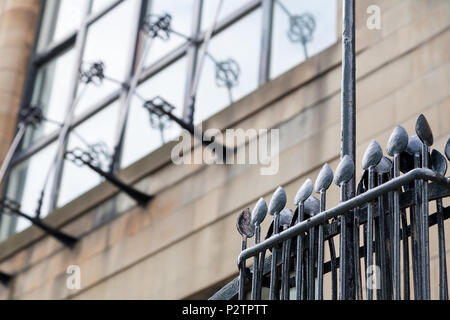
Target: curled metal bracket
83,158
8,206
95,73
157,26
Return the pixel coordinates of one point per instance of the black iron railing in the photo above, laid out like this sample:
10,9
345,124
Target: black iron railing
391,207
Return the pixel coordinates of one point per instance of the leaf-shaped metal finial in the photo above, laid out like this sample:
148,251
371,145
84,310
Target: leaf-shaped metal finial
259,212
423,130
324,179
372,156
398,141
438,162
312,206
278,201
447,149
244,227
344,171
286,217
414,145
304,192
384,166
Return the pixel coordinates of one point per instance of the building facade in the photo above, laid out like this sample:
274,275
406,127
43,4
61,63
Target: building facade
269,65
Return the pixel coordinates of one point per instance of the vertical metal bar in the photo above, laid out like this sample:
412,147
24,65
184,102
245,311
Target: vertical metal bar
320,253
273,269
255,265
262,256
299,260
382,237
413,228
356,256
286,267
406,287
396,241
266,41
348,117
311,264
333,263
418,209
343,250
369,240
242,272
425,232
443,285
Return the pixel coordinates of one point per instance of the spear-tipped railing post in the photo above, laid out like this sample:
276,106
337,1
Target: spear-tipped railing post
348,120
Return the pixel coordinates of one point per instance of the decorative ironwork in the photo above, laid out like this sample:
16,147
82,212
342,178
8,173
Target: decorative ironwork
383,199
11,207
31,116
162,108
159,111
95,73
81,158
158,26
227,73
301,27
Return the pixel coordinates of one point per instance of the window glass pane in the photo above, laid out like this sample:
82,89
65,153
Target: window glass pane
210,7
109,40
52,92
61,17
25,185
98,5
181,22
238,63
320,16
140,137
100,129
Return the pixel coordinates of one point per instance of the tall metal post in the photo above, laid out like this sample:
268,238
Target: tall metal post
348,124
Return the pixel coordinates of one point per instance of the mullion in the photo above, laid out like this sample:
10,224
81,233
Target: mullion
192,53
266,41
59,167
124,108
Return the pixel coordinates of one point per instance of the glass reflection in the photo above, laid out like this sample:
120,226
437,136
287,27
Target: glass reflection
209,10
98,5
99,130
109,40
61,17
230,71
25,185
181,22
301,29
141,137
51,92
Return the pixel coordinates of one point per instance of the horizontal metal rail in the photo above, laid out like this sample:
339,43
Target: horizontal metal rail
342,208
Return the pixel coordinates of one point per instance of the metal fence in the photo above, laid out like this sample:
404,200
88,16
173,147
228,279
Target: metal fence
390,204
390,208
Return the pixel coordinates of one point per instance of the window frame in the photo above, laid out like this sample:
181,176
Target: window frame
76,40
